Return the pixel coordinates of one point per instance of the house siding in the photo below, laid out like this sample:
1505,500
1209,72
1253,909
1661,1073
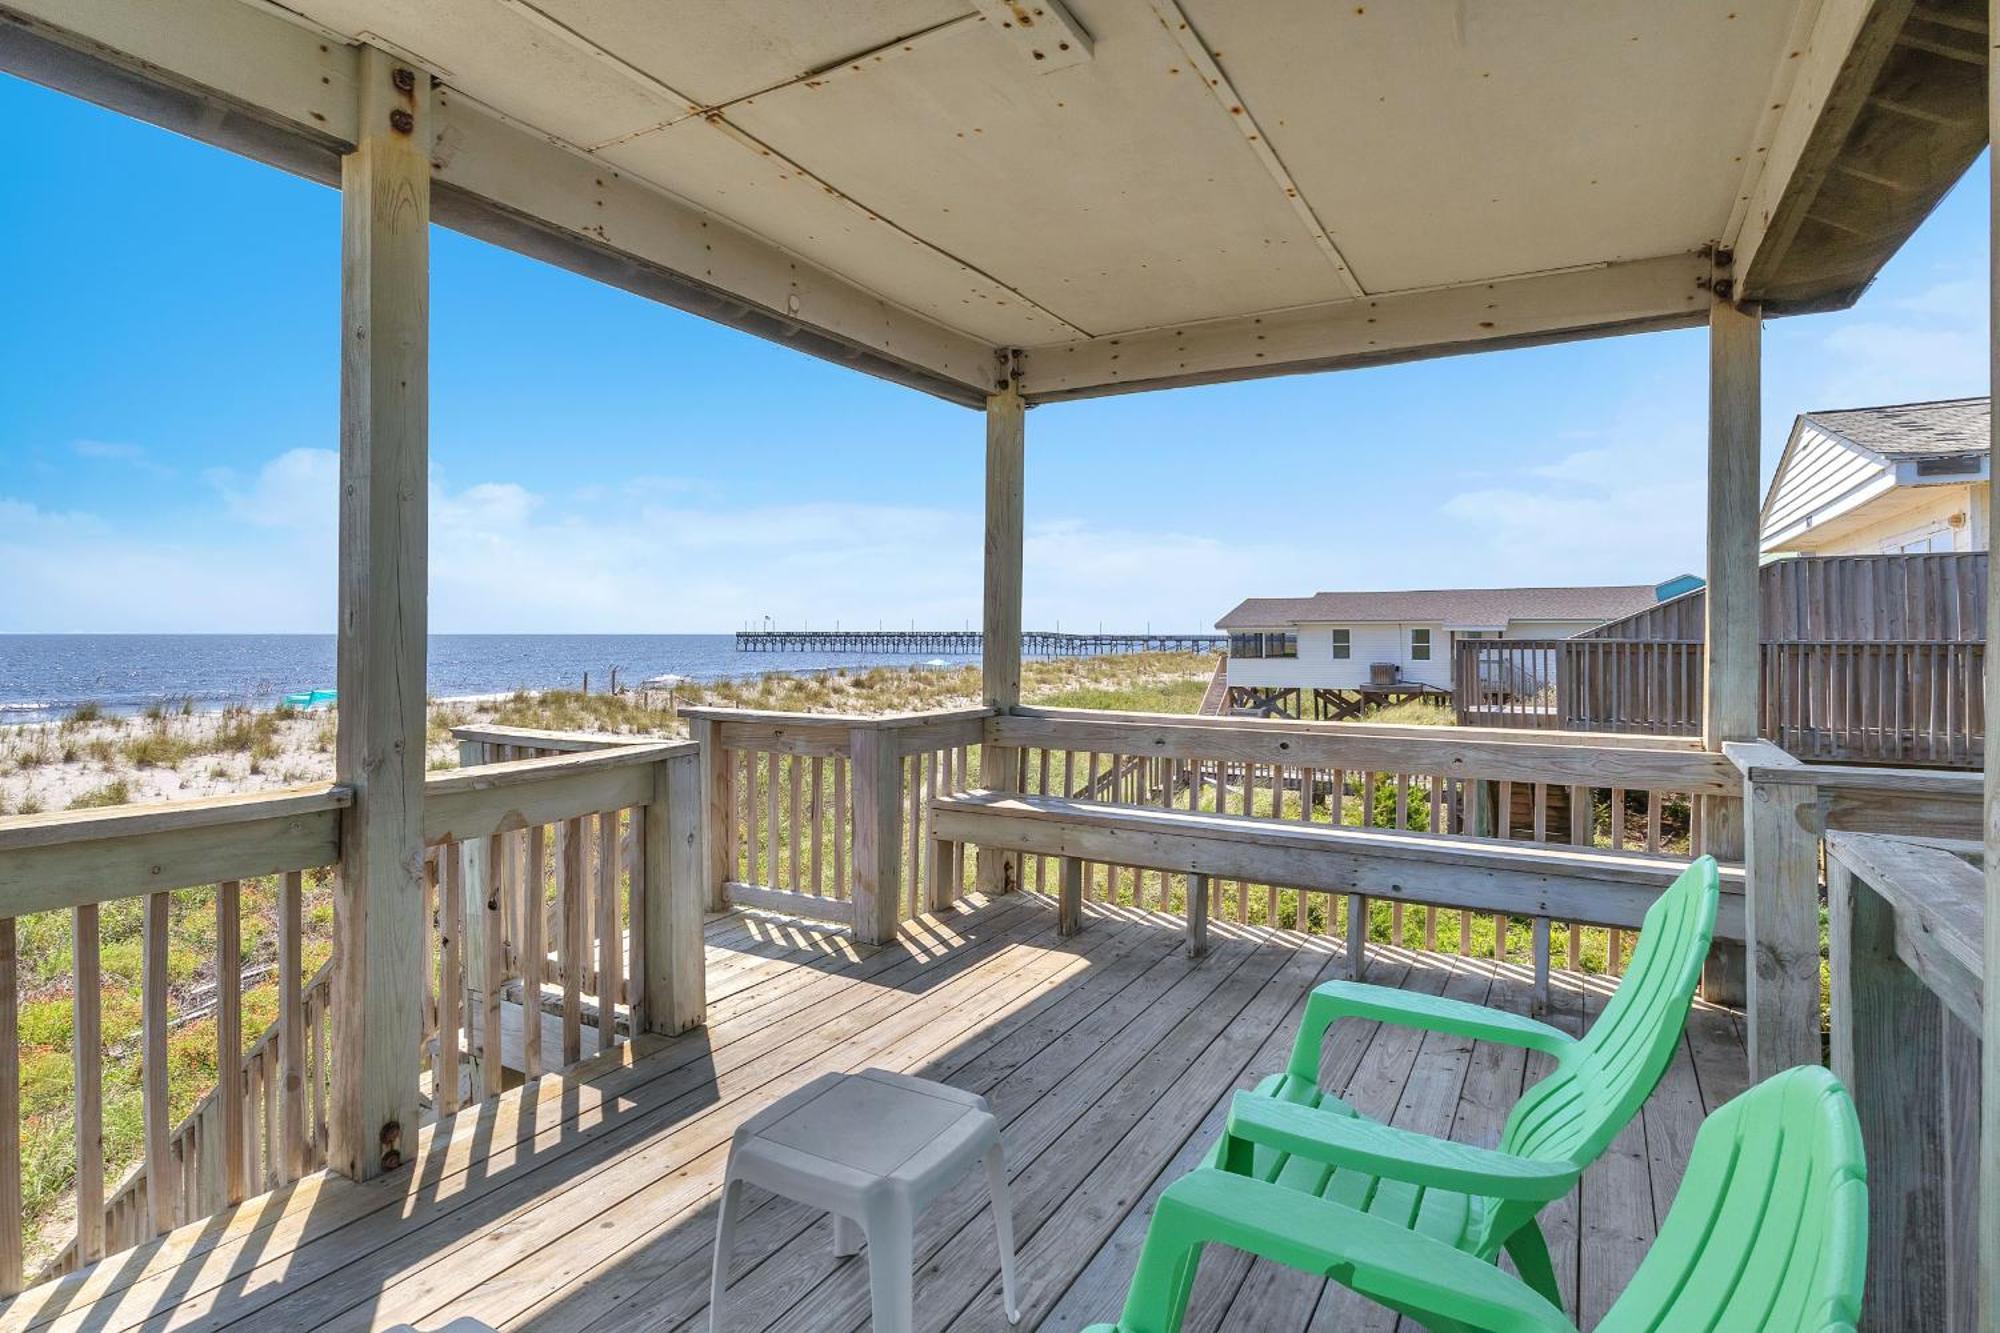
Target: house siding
1821,471
1939,504
1316,667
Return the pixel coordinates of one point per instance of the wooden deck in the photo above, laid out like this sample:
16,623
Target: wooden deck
586,1203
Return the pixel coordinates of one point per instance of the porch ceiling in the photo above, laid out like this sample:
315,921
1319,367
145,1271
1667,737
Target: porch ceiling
1134,193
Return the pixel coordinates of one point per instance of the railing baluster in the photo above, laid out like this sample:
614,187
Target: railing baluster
291,1020
774,835
816,814
609,934
571,947
153,1070
843,829
534,950
87,1043
229,1035
492,964
11,1256
451,985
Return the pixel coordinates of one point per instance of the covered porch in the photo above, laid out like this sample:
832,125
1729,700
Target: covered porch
560,975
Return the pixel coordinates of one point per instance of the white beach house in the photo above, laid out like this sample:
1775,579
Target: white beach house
1901,480
1333,652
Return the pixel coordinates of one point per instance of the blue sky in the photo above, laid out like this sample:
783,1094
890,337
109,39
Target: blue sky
601,463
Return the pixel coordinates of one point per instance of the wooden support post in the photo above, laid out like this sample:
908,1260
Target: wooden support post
675,876
384,536
1197,915
1000,647
878,827
1887,1034
1989,1106
1781,921
1069,902
291,1022
1730,652
718,856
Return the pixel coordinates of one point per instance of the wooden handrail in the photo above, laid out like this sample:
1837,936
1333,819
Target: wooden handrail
79,857
1455,752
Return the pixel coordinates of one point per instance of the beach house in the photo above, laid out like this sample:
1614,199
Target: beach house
1332,654
1907,479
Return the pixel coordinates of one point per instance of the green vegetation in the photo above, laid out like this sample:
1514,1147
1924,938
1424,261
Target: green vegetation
48,1080
111,793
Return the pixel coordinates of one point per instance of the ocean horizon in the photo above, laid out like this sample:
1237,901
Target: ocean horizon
44,677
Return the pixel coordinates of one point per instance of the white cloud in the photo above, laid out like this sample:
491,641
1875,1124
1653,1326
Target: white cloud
1928,345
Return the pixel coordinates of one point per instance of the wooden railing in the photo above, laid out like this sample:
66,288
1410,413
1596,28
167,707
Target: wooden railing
1614,793
1904,924
77,862
565,891
1875,701
829,816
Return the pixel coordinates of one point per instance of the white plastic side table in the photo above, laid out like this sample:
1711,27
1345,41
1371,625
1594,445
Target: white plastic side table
874,1149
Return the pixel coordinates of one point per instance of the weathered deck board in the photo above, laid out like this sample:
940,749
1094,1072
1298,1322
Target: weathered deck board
586,1204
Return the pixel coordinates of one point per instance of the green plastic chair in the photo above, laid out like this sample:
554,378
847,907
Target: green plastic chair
1769,1231
1477,1200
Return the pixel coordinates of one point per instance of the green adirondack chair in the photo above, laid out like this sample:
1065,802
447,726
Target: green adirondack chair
1475,1200
1768,1232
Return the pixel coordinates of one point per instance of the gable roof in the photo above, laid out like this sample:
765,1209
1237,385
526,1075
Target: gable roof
1445,606
1950,428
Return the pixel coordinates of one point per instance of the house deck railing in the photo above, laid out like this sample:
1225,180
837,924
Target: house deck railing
1858,701
567,876
549,885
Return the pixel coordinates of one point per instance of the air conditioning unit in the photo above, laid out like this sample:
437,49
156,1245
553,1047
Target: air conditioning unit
1384,673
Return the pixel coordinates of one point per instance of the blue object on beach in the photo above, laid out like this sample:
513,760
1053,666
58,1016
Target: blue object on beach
307,700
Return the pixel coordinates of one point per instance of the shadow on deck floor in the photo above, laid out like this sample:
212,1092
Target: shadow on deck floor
587,1202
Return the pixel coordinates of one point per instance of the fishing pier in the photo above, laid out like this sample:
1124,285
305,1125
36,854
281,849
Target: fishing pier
969,643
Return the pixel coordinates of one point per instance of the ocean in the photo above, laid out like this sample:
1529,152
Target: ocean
45,676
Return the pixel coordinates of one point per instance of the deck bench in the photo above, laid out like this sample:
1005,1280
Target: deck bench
1480,874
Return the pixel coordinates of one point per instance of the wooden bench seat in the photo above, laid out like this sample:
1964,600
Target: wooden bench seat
1479,874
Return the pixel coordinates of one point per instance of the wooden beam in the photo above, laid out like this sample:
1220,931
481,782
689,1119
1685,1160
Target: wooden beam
378,985
1830,83
1000,645
1989,1111
1624,297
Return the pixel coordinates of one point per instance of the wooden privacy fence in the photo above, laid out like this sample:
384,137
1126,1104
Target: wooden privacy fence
1874,700
829,817
1597,792
564,891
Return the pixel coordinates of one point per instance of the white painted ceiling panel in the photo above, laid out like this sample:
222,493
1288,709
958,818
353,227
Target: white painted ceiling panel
1447,141
1116,193
717,52
494,52
726,173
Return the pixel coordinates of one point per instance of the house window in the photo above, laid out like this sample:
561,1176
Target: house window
1264,645
1343,645
1420,645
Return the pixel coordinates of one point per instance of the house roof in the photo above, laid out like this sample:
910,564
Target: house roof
1471,607
1950,428
1099,196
